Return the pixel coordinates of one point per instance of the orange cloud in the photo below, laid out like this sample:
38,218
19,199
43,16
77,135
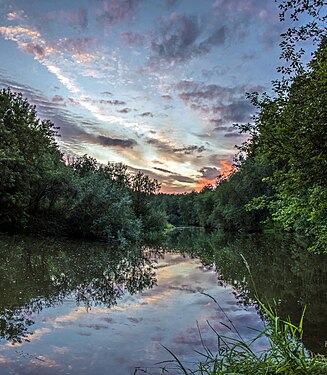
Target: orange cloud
205,182
175,189
226,169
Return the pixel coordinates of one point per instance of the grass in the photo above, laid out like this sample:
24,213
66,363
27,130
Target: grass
284,354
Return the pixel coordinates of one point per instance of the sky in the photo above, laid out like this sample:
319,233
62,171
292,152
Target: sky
154,84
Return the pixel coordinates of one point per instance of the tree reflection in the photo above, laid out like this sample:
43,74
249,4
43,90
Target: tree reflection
36,274
282,270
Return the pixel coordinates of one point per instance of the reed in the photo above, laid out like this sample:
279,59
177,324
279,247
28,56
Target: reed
285,352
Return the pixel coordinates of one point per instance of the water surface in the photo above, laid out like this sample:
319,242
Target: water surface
283,273
81,308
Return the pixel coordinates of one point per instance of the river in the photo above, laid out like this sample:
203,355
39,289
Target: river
83,308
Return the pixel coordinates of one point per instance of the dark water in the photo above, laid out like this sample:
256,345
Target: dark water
283,272
81,308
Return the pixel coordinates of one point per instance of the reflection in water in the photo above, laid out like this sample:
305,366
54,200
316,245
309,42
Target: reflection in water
282,270
80,304
37,274
67,294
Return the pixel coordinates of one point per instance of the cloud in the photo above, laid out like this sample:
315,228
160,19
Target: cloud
106,93
215,71
203,182
190,149
124,110
215,159
180,38
161,145
176,38
228,131
132,38
146,114
59,64
171,3
113,12
167,148
171,182
271,36
226,168
237,15
196,92
72,127
110,102
35,49
209,173
60,52
49,54
247,7
181,158
184,179
163,170
20,33
74,101
225,104
233,135
175,41
57,99
167,97
238,111
219,128
248,56
116,142
16,15
76,18
240,15
77,46
217,38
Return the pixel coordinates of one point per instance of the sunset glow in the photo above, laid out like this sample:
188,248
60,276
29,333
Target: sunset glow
156,85
226,169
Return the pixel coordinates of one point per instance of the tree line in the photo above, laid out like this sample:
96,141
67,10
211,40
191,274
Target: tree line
41,192
281,179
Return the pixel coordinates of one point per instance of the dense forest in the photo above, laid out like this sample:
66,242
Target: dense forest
279,183
281,177
43,193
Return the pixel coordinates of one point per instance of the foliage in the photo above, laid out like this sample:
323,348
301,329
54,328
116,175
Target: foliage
28,156
280,178
40,193
181,209
285,353
143,188
284,271
223,208
281,347
312,31
101,209
39,274
292,135
232,196
290,128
